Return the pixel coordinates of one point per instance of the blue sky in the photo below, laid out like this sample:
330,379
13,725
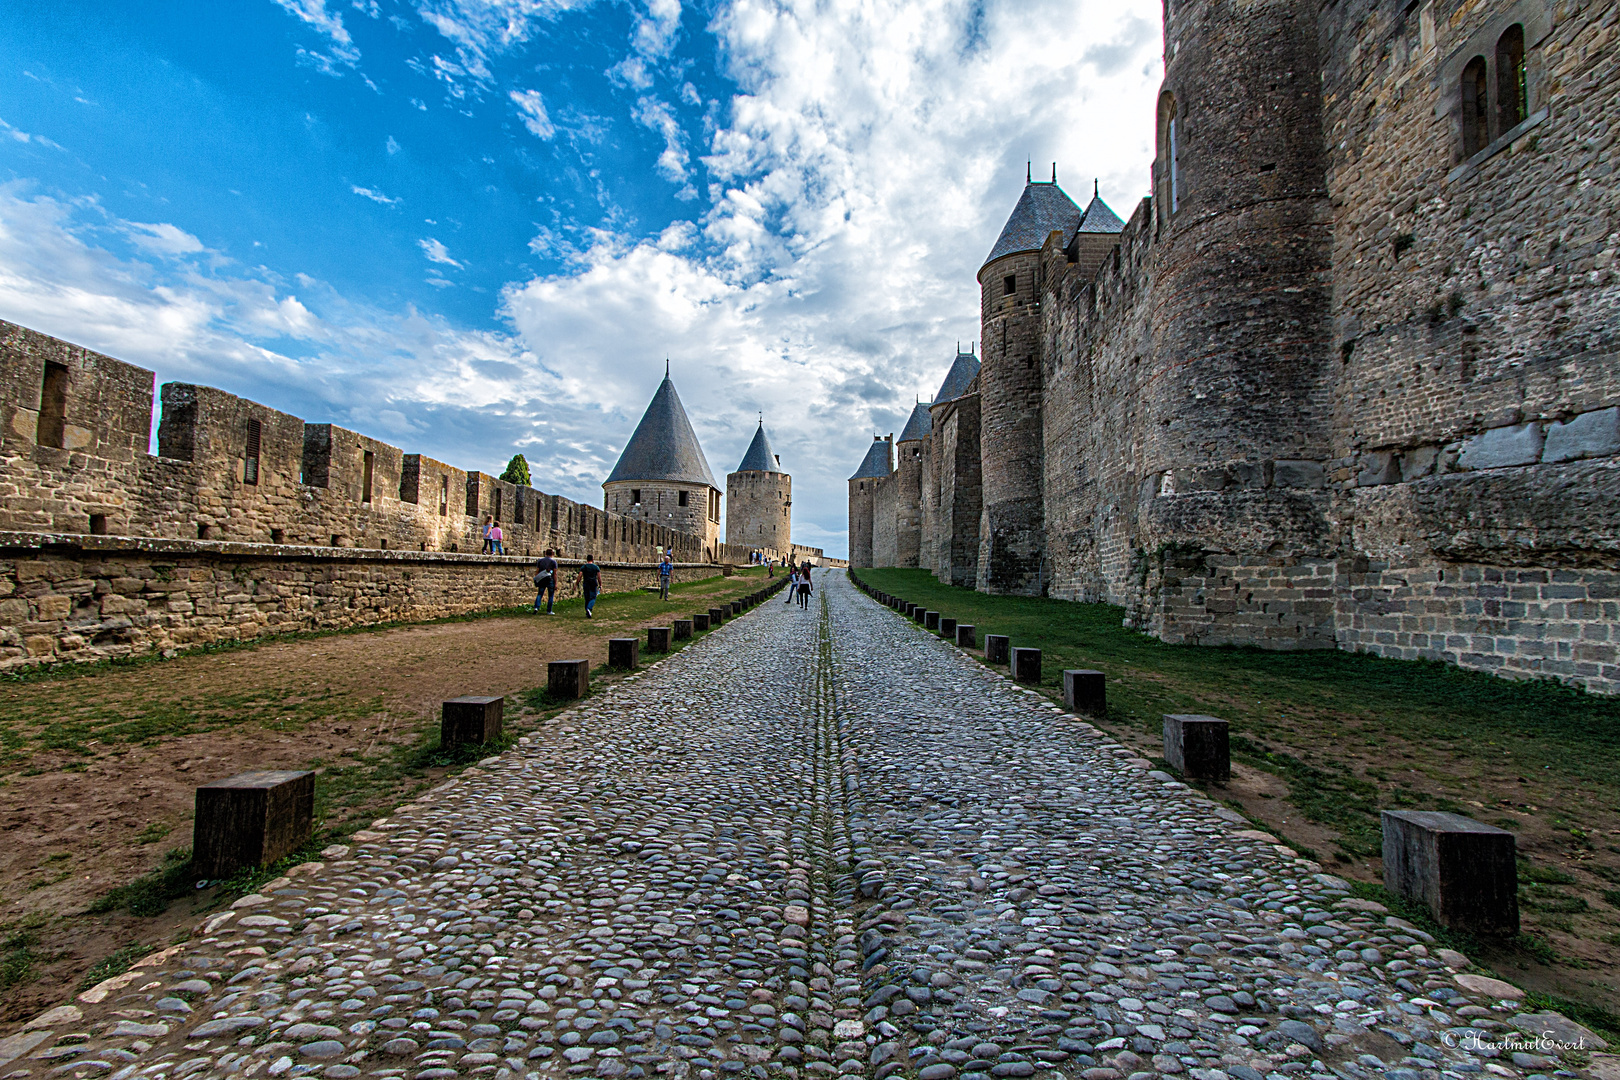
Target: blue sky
476,227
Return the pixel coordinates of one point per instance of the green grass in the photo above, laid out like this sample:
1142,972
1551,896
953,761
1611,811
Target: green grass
116,964
17,957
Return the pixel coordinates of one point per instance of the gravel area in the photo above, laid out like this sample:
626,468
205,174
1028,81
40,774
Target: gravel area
816,843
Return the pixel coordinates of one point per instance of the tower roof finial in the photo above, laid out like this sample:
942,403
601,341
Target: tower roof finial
1029,175
666,367
1054,172
1095,187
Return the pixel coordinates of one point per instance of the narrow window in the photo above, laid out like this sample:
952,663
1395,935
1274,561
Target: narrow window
278,536
683,501
1512,87
1175,170
1475,120
366,468
635,496
1009,284
497,514
52,405
517,506
250,463
444,495
472,496
98,524
1168,166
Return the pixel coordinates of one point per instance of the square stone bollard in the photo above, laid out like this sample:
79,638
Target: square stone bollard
947,628
1197,746
1466,872
624,652
682,629
967,636
471,720
996,648
1085,692
930,620
568,679
251,819
700,622
716,617
1026,665
918,614
658,638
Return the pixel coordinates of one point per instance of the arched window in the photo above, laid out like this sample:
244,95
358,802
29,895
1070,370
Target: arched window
1475,119
1169,154
1512,88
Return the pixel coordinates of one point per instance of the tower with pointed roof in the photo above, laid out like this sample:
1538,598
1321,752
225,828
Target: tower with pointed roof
874,468
951,490
759,500
1012,522
662,476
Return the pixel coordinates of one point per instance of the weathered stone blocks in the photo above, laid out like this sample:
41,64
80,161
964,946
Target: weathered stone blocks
700,622
251,819
1464,871
1026,665
717,616
658,638
947,628
624,653
1590,435
930,620
1518,444
967,636
471,720
1085,692
1197,746
996,648
568,679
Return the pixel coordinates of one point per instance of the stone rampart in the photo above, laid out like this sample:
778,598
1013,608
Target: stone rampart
83,598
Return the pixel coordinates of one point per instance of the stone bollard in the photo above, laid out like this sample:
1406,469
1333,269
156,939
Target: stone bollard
471,720
624,652
251,819
1026,665
700,622
1084,692
716,617
1197,746
735,608
658,639
1466,872
947,628
967,636
931,620
996,648
682,630
568,679
919,614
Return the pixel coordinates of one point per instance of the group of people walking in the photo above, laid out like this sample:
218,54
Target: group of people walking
799,585
589,576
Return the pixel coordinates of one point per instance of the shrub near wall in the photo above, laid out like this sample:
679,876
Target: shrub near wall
84,598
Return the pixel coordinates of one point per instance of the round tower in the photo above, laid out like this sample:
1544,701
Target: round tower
874,467
759,500
662,476
1012,528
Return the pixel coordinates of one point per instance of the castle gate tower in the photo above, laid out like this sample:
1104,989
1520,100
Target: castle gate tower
876,466
759,500
910,451
662,475
1012,524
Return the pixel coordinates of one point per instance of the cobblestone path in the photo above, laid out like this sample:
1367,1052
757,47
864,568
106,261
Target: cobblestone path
816,843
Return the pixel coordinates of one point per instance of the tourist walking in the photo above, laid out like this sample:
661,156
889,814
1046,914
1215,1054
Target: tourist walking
545,582
590,582
804,589
792,589
496,538
488,524
666,569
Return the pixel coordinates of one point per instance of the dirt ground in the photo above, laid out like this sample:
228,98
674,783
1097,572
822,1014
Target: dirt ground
100,767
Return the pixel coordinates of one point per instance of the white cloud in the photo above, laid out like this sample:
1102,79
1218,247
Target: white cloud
374,195
392,146
330,25
163,238
534,113
436,252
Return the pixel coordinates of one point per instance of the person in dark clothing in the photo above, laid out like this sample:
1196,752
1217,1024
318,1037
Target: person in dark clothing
804,587
590,579
545,582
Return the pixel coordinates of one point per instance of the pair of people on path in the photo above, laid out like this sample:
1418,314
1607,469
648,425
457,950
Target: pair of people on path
799,587
545,583
493,538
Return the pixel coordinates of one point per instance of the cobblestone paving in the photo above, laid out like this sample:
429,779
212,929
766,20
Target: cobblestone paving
816,843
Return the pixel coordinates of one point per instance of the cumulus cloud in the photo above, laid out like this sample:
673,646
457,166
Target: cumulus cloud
163,238
533,112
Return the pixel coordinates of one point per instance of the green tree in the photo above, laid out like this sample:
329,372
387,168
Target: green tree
517,470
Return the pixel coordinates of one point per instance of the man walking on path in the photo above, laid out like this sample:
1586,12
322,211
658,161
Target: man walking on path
792,589
665,570
590,578
545,582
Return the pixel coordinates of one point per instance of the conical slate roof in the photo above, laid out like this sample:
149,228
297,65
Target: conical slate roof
876,462
920,423
1042,209
1100,219
956,381
664,446
759,457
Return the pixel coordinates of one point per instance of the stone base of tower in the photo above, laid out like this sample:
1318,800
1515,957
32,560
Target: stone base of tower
1012,549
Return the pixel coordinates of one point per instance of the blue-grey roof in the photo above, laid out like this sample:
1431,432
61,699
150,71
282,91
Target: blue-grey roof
1100,219
963,369
876,463
918,425
664,446
759,457
1043,208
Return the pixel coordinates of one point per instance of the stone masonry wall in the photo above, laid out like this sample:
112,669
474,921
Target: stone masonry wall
83,598
759,511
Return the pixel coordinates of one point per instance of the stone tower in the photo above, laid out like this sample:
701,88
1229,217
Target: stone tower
907,482
759,500
875,467
662,476
1012,523
952,495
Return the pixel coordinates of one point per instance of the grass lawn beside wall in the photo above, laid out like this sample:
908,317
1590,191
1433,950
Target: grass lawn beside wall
1322,740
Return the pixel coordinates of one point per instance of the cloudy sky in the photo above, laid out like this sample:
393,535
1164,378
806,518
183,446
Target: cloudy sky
477,227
